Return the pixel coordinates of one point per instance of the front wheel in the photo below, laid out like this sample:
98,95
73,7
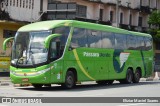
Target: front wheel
69,80
37,86
101,82
110,82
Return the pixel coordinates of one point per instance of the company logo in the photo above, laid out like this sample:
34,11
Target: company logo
88,54
119,59
6,100
21,100
25,74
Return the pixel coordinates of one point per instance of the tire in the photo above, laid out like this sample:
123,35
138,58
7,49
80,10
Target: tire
137,76
69,80
37,86
47,85
129,77
110,82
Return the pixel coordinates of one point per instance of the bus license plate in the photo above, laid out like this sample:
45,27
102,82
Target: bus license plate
25,79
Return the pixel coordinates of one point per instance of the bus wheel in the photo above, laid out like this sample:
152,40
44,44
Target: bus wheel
47,85
129,77
69,80
137,76
101,82
37,86
110,82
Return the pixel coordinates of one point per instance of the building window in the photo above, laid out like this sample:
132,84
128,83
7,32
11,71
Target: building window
23,3
6,2
140,21
29,4
14,2
130,19
8,33
10,2
52,1
81,11
121,18
140,2
32,4
17,3
101,14
111,16
26,3
20,3
2,5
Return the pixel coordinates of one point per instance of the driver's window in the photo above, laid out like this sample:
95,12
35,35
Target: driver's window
55,48
53,52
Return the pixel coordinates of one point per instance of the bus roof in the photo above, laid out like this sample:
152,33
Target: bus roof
46,25
43,25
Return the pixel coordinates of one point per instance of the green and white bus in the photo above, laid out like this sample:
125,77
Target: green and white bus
67,52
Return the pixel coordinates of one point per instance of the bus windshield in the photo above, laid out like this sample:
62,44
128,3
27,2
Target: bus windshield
28,48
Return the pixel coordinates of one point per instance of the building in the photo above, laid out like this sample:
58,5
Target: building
127,14
132,14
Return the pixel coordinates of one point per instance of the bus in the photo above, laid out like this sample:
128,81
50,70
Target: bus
68,52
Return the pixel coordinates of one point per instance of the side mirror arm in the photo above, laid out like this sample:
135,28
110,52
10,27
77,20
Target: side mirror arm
6,41
49,38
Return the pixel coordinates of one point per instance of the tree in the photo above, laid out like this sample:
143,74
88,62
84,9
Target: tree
154,19
154,23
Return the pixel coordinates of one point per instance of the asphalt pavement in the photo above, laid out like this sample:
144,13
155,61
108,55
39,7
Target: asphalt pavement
5,81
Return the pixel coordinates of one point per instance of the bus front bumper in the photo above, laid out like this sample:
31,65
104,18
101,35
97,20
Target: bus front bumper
40,77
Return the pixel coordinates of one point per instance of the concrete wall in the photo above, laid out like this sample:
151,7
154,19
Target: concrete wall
23,11
6,26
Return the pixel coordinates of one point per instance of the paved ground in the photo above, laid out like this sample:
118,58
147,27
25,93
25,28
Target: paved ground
88,89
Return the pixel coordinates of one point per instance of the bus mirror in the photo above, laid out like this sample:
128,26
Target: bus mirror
6,41
49,38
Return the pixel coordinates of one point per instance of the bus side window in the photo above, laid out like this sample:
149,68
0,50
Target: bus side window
120,41
79,38
55,48
131,45
140,43
107,40
94,38
148,43
64,31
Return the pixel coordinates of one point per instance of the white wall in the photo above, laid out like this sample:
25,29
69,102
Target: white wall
134,3
135,16
93,9
23,13
153,3
145,2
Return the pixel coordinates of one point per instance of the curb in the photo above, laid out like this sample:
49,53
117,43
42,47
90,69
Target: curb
8,82
149,79
5,82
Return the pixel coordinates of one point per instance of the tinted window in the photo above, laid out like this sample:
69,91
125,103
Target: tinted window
94,38
140,43
131,42
148,43
120,41
79,38
107,40
64,31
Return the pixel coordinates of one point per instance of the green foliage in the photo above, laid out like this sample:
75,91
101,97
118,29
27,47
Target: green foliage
154,21
154,18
